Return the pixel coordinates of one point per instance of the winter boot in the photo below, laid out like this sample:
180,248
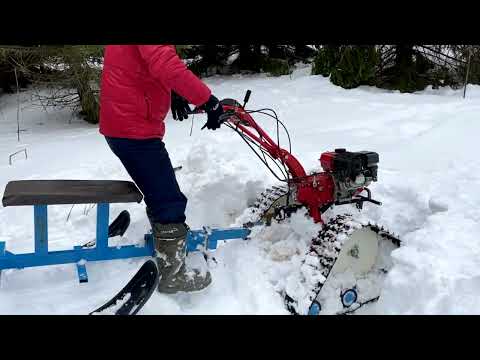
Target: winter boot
170,244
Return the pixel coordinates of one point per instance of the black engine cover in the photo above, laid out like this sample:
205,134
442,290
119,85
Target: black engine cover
348,165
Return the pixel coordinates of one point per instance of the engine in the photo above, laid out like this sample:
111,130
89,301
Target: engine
351,171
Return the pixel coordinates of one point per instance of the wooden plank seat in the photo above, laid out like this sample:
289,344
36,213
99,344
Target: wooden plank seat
58,192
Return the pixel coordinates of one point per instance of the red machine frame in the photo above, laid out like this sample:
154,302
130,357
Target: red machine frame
315,191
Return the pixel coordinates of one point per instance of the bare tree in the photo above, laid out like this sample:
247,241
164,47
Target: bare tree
69,75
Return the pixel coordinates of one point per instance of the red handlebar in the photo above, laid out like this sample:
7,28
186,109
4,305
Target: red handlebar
242,121
245,121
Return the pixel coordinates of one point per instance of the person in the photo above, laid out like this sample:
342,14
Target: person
139,85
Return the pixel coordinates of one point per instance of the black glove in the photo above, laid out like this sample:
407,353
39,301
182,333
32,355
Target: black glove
214,112
180,108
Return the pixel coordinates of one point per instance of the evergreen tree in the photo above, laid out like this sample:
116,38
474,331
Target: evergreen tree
402,67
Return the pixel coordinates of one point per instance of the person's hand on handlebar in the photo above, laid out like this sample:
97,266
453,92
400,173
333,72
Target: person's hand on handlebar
214,111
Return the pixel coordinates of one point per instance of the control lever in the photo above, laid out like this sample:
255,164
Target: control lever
247,97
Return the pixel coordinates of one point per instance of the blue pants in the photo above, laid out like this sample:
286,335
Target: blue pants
148,164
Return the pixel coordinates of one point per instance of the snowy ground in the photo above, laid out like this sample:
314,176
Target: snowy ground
429,178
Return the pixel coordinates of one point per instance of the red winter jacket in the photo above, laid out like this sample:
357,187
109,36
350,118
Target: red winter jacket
136,89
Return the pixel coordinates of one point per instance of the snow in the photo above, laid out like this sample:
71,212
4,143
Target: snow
82,262
429,175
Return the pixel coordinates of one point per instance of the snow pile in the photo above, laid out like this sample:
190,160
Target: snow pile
429,175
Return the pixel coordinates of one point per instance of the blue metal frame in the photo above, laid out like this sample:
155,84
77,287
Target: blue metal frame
2,253
209,238
103,212
20,261
206,239
42,257
40,220
81,268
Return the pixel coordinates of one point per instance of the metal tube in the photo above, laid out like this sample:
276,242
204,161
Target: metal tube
40,219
